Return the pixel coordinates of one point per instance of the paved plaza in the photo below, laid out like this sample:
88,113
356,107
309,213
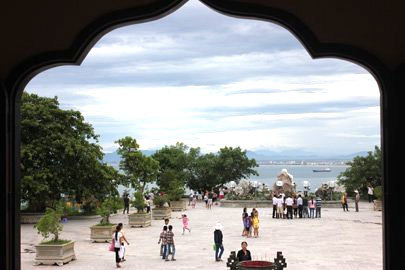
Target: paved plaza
339,240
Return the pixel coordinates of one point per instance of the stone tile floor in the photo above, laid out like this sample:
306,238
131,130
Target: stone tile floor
339,240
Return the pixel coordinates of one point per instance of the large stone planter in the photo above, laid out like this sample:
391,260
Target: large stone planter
377,205
30,218
161,213
178,205
51,254
140,220
101,233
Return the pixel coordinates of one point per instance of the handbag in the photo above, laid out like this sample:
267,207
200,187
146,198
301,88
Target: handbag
214,247
121,252
112,246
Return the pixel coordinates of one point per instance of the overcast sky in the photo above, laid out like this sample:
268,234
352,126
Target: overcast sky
210,80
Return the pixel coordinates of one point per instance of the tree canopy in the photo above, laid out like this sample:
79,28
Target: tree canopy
139,169
363,171
60,154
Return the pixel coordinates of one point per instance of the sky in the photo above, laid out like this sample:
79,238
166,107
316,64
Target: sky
210,80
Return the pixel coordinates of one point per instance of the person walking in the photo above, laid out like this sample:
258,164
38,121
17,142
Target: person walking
171,249
206,199
344,202
300,205
126,204
163,242
210,197
218,240
305,207
194,201
356,200
244,253
318,204
244,213
370,192
185,223
279,207
246,225
274,205
118,239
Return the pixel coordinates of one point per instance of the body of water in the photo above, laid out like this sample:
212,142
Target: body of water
268,174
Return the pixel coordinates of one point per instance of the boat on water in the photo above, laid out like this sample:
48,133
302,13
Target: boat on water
323,170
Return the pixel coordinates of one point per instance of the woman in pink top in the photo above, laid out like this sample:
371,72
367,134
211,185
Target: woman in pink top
312,205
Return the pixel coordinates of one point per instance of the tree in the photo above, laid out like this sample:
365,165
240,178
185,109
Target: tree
363,171
60,155
174,165
139,169
50,223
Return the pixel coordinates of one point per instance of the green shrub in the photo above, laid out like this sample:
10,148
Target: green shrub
108,206
378,193
50,224
160,200
139,202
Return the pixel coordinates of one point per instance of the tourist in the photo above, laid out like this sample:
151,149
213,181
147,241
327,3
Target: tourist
275,205
244,213
370,192
284,208
206,199
148,204
295,206
214,198
244,254
246,224
356,200
318,204
185,223
251,224
171,249
255,224
210,197
305,207
221,194
123,234
118,239
194,201
190,198
311,205
126,204
300,205
163,242
289,203
344,202
279,207
218,240
167,221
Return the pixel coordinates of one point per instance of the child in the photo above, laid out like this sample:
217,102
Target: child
171,249
251,224
163,242
246,224
185,223
255,224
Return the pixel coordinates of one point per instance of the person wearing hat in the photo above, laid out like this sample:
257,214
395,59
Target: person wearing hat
356,200
218,240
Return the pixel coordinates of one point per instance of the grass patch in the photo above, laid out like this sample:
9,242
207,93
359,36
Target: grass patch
53,242
105,224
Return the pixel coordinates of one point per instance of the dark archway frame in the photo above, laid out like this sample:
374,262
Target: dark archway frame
390,82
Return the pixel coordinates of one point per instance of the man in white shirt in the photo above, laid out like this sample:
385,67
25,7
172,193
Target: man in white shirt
275,206
300,204
289,202
370,193
279,207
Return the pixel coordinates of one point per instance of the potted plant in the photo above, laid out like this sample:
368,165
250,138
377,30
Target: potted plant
55,250
140,218
103,231
378,198
175,193
161,211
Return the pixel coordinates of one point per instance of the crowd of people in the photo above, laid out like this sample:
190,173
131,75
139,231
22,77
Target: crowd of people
296,206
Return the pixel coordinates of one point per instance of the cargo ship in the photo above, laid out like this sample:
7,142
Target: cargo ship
323,170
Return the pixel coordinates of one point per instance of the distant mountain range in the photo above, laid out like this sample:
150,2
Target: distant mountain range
262,155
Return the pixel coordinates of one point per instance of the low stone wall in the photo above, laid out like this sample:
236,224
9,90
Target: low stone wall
30,218
246,203
269,204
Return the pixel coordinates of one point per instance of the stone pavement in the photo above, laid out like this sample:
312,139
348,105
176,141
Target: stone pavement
339,240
